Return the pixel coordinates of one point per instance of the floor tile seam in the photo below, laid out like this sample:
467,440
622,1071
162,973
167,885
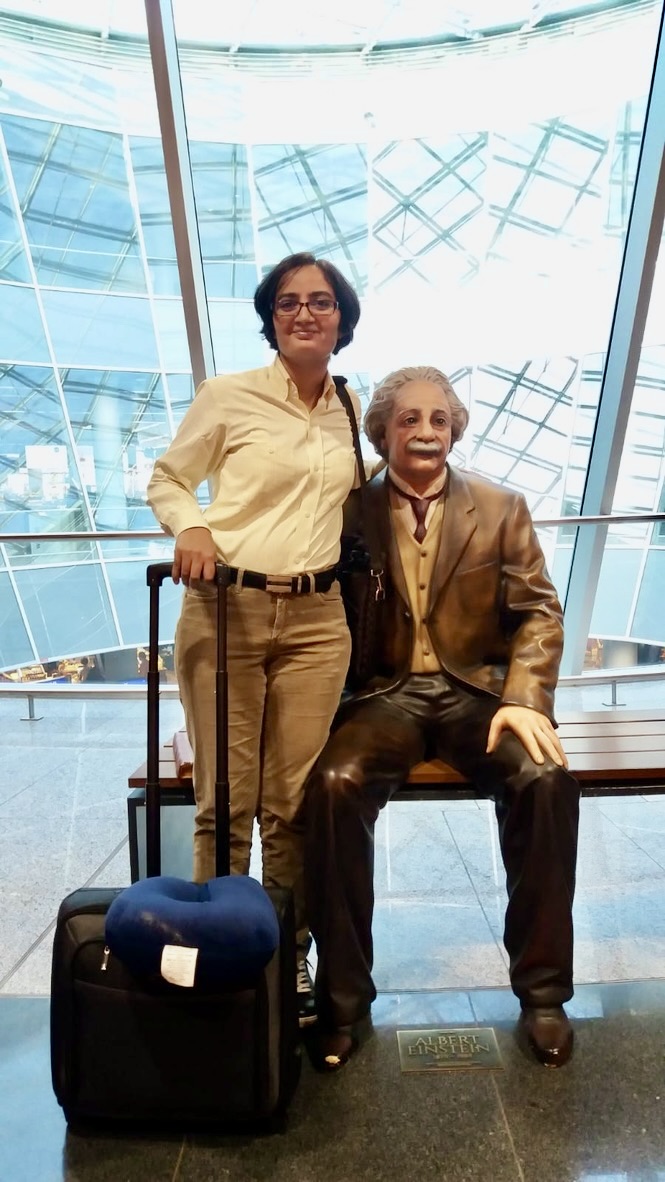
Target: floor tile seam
109,858
643,805
27,954
465,990
109,808
176,1169
506,1125
460,854
591,832
649,854
46,932
432,991
63,738
590,893
656,871
495,941
469,990
625,833
427,900
37,778
609,807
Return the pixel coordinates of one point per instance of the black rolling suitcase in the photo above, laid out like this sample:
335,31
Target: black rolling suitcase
129,1049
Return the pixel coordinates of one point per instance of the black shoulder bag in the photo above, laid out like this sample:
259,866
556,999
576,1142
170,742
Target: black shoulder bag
362,575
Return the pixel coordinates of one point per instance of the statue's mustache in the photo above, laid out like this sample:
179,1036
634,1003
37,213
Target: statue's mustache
416,445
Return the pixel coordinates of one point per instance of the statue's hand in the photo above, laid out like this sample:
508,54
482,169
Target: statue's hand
534,731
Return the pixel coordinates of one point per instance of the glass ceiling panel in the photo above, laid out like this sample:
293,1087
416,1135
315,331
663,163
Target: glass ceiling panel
71,184
475,194
353,23
313,198
13,261
153,202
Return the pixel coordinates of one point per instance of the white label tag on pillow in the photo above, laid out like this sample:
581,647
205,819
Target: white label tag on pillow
179,964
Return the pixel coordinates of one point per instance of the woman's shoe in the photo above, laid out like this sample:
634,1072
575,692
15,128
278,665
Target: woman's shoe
332,1049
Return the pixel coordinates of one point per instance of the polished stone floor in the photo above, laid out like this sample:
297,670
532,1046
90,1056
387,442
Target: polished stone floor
63,822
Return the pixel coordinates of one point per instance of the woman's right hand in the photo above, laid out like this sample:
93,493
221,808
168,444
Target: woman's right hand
195,555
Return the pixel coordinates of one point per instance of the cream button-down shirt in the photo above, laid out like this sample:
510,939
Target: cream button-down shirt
279,473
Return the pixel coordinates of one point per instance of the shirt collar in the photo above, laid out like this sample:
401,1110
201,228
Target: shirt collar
287,387
432,489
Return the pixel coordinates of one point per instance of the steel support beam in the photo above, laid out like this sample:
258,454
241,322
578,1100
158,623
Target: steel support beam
171,109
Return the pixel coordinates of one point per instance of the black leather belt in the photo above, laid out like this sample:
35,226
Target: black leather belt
284,584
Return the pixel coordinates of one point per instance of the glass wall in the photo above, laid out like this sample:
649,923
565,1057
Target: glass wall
631,587
94,369
474,184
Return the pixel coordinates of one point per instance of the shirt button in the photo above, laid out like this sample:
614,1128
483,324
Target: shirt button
425,652
423,586
423,554
308,515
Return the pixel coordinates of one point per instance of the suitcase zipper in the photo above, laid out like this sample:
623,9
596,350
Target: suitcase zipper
105,958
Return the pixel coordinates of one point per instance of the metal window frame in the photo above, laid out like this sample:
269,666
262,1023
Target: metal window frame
171,110
643,237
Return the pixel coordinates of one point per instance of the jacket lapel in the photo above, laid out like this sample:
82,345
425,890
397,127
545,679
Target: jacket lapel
459,525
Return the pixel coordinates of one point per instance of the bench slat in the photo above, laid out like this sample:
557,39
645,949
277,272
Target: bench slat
624,730
609,744
627,768
611,717
609,751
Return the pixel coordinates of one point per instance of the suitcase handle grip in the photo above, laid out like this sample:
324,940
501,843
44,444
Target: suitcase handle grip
158,571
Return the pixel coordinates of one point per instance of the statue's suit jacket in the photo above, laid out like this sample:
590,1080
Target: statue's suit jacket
493,615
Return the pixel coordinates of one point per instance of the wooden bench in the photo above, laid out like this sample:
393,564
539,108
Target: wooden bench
610,752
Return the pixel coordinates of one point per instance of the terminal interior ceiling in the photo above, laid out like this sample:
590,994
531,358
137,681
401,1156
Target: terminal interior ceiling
471,168
490,175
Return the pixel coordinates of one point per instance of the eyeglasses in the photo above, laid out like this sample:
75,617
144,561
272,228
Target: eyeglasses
317,306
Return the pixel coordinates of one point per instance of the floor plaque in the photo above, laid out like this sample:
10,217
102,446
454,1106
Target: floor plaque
470,1048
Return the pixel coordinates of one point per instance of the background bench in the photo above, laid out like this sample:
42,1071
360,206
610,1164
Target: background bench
620,751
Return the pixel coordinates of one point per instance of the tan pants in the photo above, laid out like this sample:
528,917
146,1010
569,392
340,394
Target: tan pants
287,656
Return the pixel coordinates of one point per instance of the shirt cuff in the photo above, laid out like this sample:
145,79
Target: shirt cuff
187,519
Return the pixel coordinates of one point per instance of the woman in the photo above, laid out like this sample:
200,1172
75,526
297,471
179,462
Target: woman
275,444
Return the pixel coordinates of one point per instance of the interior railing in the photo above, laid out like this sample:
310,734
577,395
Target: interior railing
31,691
111,535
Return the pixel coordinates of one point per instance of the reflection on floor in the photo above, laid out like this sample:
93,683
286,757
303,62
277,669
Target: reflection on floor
599,1118
440,902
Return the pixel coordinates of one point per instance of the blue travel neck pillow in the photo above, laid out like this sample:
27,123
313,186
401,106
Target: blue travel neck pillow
230,921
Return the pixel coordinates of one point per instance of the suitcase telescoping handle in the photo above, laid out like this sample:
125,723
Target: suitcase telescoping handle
156,573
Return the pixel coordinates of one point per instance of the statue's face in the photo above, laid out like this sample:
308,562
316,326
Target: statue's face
418,434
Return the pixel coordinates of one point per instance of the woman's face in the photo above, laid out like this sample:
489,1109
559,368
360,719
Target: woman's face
305,338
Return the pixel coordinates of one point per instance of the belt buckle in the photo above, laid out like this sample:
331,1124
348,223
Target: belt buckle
279,584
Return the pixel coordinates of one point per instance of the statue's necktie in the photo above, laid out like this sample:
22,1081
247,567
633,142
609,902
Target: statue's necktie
420,507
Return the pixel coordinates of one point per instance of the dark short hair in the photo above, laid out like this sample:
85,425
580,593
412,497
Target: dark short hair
349,305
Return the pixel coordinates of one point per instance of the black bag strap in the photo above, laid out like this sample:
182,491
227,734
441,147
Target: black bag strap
376,559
